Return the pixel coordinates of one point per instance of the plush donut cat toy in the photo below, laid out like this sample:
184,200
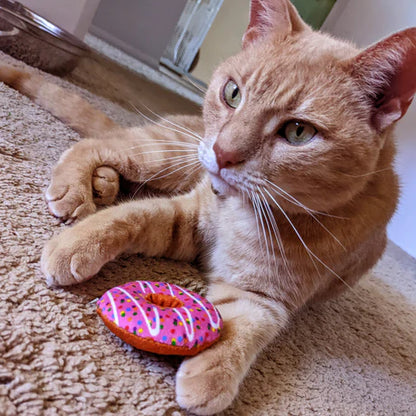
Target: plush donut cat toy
160,317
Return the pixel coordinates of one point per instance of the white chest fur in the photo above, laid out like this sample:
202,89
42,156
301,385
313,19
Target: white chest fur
239,255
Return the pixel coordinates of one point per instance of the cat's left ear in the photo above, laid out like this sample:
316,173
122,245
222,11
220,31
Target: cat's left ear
272,16
387,72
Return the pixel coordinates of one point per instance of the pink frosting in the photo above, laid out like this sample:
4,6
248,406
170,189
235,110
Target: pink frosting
191,325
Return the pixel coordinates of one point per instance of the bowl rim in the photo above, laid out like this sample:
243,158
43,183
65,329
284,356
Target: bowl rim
28,20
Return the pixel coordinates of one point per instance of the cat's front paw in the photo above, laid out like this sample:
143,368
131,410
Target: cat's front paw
105,185
73,256
71,199
208,383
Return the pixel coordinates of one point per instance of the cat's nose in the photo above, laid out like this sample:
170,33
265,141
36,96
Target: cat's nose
227,158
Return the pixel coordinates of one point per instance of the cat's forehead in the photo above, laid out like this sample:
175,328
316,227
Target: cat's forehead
302,57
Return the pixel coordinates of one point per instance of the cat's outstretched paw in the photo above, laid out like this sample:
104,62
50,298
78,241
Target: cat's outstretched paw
73,200
207,383
74,256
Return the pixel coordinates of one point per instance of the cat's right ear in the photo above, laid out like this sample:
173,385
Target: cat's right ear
272,16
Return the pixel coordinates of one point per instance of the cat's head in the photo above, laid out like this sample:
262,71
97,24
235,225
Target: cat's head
300,113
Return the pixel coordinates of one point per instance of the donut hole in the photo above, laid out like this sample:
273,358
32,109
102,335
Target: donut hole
164,301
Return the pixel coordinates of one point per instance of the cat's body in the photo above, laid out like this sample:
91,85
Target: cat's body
291,221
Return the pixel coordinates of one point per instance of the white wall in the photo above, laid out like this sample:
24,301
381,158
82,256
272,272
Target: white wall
365,22
142,28
224,37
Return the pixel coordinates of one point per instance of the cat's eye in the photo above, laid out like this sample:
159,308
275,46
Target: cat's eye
297,132
231,94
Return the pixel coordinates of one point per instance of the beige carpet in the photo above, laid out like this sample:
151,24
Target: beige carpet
353,356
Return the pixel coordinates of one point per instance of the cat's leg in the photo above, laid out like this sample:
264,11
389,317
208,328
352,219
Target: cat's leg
87,174
154,227
209,382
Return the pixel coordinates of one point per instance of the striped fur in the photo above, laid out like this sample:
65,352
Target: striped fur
67,106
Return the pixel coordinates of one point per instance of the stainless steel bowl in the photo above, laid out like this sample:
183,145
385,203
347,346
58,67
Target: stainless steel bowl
27,36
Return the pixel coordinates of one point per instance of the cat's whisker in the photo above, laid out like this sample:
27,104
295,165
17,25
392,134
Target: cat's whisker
166,151
187,164
256,214
253,196
162,142
164,176
262,219
190,172
176,170
167,127
294,201
195,84
155,176
172,165
185,129
311,213
308,250
171,160
263,204
264,230
179,157
290,198
192,136
276,233
365,174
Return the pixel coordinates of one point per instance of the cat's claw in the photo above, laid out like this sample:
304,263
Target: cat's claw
205,384
74,201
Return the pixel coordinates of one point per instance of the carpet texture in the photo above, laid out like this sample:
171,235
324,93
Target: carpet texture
352,356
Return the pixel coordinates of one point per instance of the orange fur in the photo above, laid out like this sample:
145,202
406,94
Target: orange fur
286,225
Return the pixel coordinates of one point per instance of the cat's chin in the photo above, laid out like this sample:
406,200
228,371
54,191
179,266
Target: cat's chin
222,188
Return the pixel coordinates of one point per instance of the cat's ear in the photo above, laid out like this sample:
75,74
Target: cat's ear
387,72
272,16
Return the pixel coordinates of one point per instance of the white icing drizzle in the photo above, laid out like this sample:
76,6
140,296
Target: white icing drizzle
213,324
190,334
153,331
170,290
141,286
113,305
150,287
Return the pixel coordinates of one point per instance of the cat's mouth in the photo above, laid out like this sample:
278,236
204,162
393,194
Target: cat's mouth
221,187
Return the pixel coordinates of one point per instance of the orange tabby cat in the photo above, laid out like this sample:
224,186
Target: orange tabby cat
297,144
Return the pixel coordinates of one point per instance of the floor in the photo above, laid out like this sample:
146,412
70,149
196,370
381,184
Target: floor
116,82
